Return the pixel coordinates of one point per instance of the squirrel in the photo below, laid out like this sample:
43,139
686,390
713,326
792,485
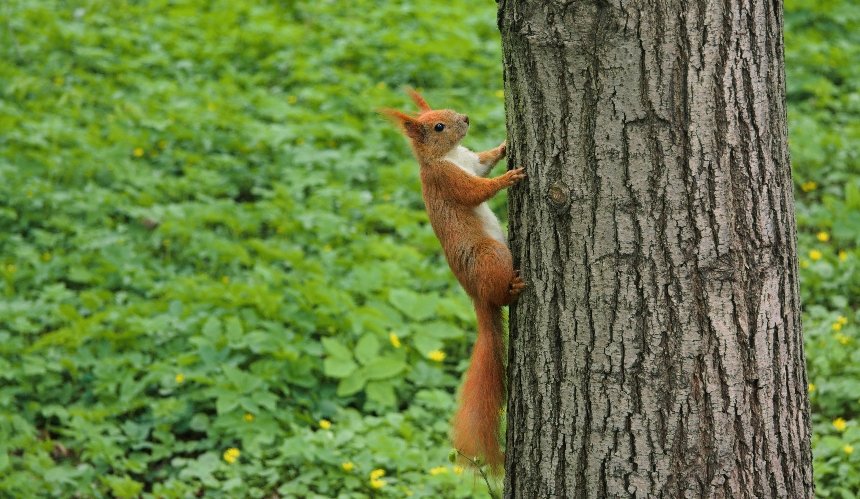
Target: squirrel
455,194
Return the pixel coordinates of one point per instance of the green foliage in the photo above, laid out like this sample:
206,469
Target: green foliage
216,272
822,42
211,241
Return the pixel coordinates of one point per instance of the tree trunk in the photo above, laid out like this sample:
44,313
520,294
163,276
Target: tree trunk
658,350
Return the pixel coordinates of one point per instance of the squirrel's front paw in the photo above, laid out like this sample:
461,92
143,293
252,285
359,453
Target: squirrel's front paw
511,177
503,149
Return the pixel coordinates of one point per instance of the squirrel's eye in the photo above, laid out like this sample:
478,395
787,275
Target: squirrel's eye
439,127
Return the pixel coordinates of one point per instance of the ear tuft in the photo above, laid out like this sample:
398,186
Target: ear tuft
408,124
419,101
393,114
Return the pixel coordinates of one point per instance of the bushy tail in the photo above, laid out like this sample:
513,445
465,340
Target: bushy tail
476,424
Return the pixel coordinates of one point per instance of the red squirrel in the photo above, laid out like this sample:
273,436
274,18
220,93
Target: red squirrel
455,194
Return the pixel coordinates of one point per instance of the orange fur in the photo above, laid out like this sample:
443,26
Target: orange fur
419,101
481,262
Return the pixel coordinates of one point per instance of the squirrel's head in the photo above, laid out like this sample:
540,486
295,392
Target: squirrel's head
432,132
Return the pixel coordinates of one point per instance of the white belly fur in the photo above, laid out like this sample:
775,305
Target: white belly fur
468,161
464,158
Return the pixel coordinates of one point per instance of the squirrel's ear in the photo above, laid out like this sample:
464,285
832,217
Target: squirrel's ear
408,124
419,101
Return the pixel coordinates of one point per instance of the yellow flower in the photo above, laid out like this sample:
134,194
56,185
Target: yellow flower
292,99
837,326
347,466
395,341
804,264
438,470
436,355
843,255
500,94
458,470
225,280
180,378
808,186
248,417
811,387
138,152
377,474
842,339
848,449
325,424
815,255
377,483
823,236
839,424
842,320
231,455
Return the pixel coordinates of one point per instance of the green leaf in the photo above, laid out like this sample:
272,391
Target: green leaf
233,328
212,328
226,402
381,392
351,385
80,274
413,305
367,348
123,487
384,367
336,349
441,330
424,343
200,422
852,195
338,368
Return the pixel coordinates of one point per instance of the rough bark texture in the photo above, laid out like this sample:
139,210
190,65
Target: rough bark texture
658,351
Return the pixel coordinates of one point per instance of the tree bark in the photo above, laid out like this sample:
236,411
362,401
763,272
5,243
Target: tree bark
658,350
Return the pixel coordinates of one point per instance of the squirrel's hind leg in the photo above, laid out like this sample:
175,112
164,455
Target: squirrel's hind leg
495,280
516,287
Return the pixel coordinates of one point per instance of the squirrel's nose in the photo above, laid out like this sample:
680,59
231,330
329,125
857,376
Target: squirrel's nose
466,119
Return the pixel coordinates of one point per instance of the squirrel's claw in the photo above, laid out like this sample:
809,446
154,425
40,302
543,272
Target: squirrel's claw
517,285
513,176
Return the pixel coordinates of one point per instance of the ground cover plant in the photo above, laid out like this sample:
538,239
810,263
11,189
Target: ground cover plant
216,274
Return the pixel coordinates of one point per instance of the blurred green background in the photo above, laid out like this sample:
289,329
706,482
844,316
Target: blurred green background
216,274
